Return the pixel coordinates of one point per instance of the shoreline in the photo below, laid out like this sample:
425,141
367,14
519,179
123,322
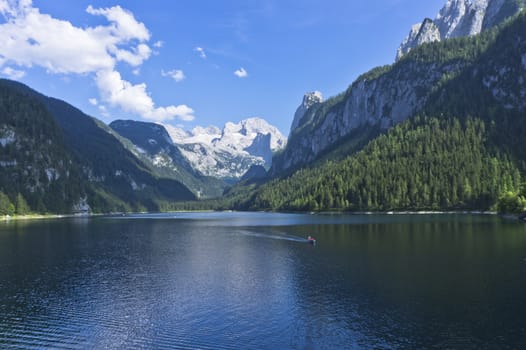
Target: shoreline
507,216
7,218
409,212
517,217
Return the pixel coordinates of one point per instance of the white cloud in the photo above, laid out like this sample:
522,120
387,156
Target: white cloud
182,112
176,74
135,57
13,73
7,7
136,72
104,111
241,73
123,23
135,99
158,44
93,101
201,52
29,38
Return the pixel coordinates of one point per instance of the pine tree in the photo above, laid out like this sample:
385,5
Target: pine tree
453,169
22,208
6,207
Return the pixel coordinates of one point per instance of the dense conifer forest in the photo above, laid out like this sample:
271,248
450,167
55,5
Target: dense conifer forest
423,164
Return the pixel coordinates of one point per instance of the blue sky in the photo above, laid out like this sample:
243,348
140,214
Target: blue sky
196,62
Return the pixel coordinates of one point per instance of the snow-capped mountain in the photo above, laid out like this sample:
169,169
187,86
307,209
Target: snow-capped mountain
229,153
152,144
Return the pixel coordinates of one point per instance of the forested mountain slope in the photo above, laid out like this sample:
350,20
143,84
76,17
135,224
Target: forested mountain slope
34,161
465,149
493,62
421,164
107,174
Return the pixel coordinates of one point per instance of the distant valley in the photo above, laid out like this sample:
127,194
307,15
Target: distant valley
75,163
215,157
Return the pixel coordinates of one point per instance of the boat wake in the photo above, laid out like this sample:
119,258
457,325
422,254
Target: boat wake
283,237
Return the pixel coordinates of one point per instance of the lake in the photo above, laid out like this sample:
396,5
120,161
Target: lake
251,281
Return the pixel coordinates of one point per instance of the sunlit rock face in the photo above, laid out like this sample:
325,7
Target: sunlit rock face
230,152
459,18
389,95
310,99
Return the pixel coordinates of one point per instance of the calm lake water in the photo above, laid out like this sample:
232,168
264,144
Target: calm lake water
251,281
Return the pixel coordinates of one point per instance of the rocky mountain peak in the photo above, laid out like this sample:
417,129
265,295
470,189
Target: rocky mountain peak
229,152
157,134
420,33
309,100
459,18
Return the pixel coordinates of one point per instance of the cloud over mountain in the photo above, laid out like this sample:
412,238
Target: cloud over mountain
30,38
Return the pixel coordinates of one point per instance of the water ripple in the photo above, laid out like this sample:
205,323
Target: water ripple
200,282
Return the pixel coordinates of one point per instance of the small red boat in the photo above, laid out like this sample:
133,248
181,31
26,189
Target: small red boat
311,240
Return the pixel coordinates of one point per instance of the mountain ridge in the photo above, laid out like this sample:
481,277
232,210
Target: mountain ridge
109,177
459,18
228,153
152,142
382,97
471,122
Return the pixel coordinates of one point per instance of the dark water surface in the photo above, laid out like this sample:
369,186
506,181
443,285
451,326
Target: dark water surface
250,281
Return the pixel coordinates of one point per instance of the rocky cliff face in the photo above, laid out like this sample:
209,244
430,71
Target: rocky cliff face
389,95
421,33
459,18
380,99
261,147
310,99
